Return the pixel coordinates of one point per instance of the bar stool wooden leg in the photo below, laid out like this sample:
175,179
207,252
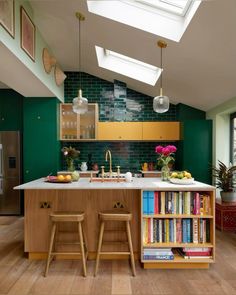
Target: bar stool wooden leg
130,247
99,247
85,242
82,249
50,248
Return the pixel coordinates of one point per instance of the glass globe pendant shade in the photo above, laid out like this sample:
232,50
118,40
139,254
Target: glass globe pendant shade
161,104
80,104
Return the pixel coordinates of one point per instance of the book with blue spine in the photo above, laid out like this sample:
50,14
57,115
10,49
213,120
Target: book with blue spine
184,231
145,202
151,202
189,236
171,230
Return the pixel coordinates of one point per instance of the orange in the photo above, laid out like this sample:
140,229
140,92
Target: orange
68,177
60,177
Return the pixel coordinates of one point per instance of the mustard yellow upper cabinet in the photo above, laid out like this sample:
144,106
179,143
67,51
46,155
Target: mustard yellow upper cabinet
161,131
119,130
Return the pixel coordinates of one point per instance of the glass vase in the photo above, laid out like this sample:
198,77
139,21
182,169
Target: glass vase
165,171
70,165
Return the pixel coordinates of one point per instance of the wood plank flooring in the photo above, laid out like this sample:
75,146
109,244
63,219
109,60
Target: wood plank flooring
19,276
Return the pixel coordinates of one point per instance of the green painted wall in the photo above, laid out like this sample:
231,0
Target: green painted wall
41,154
10,110
195,150
185,112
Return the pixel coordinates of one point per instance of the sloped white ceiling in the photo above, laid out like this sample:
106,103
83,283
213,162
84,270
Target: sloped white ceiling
199,71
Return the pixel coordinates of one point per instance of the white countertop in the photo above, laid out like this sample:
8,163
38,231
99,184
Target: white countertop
137,183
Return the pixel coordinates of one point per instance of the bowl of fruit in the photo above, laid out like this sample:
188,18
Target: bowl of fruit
181,177
59,178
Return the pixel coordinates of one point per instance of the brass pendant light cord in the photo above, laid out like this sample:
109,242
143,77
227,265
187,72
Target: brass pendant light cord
162,44
81,17
161,74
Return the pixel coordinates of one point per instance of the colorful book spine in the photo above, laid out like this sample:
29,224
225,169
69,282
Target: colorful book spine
145,202
162,202
197,204
151,202
189,231
195,230
160,230
156,203
180,203
184,231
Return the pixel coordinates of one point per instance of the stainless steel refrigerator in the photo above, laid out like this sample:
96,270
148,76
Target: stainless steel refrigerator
10,172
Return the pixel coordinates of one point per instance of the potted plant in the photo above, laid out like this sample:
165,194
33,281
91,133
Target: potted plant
225,180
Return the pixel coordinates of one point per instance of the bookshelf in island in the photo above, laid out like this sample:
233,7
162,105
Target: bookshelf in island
177,228
177,221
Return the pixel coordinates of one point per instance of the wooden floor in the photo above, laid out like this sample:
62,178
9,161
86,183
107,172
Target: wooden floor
20,276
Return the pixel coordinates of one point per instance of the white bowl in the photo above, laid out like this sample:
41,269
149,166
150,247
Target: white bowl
182,181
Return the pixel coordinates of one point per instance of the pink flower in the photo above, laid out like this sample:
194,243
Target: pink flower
159,149
172,148
166,151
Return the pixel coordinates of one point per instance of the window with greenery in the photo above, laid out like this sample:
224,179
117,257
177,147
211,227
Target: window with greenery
233,138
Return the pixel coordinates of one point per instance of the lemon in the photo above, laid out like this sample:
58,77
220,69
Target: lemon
174,175
188,175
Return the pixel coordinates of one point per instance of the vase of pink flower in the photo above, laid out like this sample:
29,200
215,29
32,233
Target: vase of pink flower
166,154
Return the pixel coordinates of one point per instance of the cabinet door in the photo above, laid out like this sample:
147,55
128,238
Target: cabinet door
160,130
74,126
41,153
120,131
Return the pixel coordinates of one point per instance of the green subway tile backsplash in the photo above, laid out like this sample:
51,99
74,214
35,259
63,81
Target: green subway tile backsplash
116,103
128,155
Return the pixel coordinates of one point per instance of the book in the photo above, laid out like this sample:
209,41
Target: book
184,231
162,202
193,249
151,202
195,230
145,202
158,257
156,203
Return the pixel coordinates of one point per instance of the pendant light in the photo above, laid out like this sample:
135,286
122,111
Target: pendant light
161,103
80,103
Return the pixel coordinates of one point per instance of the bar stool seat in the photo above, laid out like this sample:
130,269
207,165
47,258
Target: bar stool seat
67,216
119,216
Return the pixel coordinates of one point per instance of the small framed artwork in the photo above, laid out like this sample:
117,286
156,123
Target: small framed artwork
7,16
27,34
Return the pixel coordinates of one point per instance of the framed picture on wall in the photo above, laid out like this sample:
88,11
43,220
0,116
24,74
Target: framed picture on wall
27,34
7,16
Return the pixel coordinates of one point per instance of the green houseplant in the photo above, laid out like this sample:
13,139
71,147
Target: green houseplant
225,180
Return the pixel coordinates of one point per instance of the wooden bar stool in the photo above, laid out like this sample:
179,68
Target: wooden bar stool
60,216
121,216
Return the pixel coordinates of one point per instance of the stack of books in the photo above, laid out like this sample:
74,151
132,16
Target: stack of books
158,254
176,203
195,253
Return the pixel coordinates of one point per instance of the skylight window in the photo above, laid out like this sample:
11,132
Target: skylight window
127,66
178,7
166,18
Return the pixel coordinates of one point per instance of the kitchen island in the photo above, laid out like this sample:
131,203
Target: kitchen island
41,198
